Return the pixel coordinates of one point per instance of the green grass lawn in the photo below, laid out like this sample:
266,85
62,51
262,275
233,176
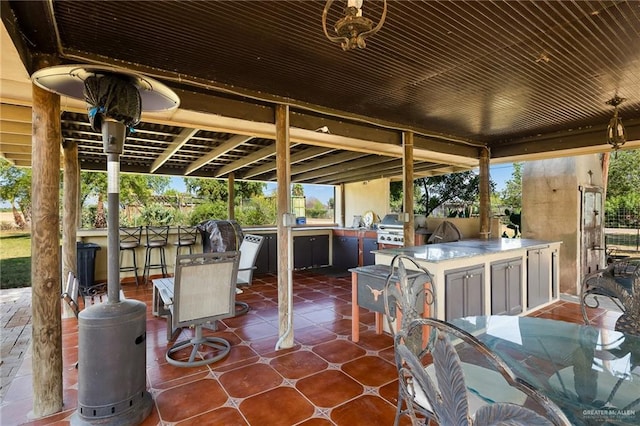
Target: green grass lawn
15,259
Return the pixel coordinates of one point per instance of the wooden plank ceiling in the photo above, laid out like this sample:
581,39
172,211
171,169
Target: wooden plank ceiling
527,79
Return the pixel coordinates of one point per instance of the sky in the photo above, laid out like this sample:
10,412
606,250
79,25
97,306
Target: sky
500,173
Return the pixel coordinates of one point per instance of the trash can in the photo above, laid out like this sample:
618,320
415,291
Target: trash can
220,235
86,264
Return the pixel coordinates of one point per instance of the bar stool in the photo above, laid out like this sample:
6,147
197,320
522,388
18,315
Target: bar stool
157,237
187,237
130,240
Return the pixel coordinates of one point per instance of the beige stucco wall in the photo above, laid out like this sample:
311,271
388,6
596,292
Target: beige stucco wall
363,196
551,208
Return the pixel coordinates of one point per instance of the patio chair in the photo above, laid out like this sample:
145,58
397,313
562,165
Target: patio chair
442,392
249,250
71,293
620,283
204,290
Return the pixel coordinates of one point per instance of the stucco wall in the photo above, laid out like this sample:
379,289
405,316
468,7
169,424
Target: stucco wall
551,201
363,196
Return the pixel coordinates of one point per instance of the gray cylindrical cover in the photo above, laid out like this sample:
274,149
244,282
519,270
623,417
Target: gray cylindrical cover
111,358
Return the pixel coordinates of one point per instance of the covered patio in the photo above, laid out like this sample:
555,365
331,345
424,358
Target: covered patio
442,87
324,379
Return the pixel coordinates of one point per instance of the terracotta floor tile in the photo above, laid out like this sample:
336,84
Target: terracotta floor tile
298,364
329,388
364,411
257,331
371,371
314,335
267,347
185,401
283,406
325,379
342,326
221,416
339,351
371,341
317,421
173,375
250,380
323,316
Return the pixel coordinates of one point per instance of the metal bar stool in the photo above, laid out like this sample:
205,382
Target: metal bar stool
130,240
187,237
157,237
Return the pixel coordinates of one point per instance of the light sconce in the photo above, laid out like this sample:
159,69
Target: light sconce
353,28
616,135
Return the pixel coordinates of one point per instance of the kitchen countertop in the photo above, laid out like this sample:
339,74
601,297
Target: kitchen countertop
465,248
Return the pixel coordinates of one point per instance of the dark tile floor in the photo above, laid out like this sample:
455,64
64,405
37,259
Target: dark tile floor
325,379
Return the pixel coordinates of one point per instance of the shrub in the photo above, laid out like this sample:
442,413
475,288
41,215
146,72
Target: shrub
157,214
208,211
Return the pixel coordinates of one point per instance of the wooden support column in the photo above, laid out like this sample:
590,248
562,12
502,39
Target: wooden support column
70,209
231,205
407,188
285,257
485,198
45,254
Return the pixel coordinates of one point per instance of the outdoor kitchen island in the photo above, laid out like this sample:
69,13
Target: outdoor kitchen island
478,277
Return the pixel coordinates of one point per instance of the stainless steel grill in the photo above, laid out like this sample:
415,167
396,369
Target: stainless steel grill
391,230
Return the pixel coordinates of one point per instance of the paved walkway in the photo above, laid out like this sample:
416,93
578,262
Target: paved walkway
15,327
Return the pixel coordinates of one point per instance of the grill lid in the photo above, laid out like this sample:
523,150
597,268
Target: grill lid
390,220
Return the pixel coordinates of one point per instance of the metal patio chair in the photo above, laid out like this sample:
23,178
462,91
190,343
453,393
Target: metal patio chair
202,291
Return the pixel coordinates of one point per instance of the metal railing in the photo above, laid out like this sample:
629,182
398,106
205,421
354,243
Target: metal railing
622,231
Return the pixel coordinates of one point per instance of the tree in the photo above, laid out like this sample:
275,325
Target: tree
15,188
134,189
624,174
138,189
216,189
297,190
460,187
512,194
622,204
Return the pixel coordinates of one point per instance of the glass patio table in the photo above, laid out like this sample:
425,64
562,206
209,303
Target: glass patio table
592,374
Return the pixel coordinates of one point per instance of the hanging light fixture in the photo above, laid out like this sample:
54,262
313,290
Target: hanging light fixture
353,28
616,135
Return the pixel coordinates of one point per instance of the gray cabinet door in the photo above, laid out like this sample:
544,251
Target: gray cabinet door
369,245
345,252
464,292
538,276
267,260
310,251
506,287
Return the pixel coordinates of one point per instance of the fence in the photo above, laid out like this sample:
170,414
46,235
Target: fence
622,230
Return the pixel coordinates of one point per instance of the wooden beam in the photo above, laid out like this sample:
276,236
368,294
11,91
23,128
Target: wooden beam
341,167
177,143
227,146
394,172
485,195
261,154
70,209
407,188
306,154
231,204
285,260
16,128
45,257
16,113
